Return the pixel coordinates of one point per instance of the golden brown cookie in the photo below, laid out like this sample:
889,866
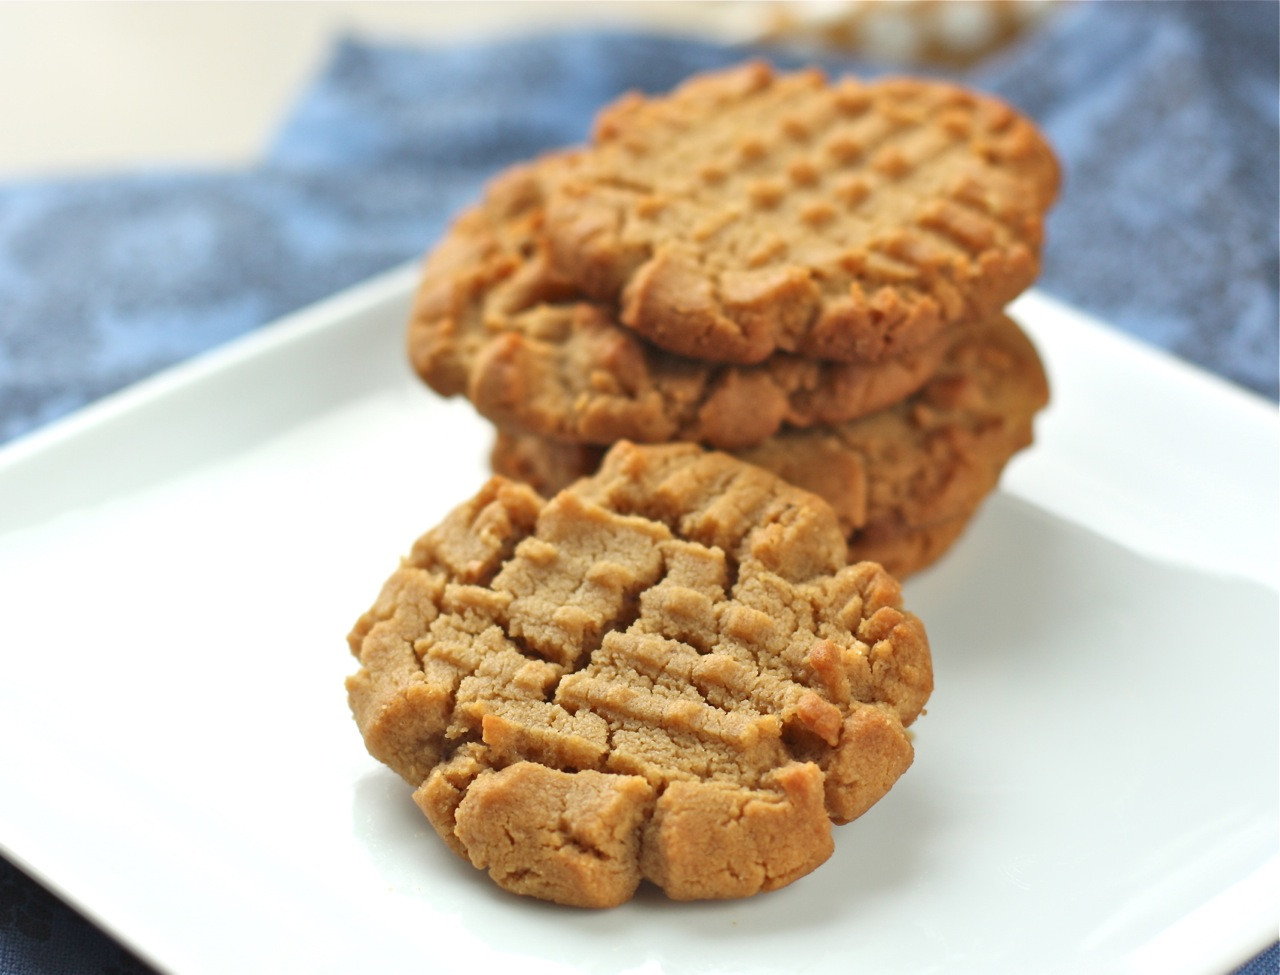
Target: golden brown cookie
668,672
902,550
495,322
748,212
904,481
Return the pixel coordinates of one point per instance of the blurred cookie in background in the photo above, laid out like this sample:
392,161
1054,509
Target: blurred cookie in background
943,33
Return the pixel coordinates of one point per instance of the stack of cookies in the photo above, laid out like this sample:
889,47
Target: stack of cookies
807,274
667,663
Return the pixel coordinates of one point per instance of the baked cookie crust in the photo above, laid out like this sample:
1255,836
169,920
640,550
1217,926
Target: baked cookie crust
668,672
903,482
495,321
749,212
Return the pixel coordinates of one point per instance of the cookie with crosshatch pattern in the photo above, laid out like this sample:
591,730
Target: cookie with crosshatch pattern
494,321
749,212
668,672
900,547
904,481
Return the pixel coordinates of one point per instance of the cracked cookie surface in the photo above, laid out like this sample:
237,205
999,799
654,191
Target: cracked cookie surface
494,320
905,481
669,672
750,211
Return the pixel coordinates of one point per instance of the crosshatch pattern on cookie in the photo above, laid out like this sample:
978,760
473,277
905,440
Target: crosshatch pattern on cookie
669,672
494,320
750,211
903,482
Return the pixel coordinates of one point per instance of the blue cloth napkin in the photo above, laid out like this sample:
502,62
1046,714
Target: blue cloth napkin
1165,116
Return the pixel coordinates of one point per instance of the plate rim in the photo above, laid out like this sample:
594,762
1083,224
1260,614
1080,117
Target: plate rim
283,337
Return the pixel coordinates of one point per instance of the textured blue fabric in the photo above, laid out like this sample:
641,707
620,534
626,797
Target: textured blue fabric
1166,121
1165,117
1267,963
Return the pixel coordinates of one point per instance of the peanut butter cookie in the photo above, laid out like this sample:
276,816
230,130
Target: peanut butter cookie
494,321
904,481
748,212
667,672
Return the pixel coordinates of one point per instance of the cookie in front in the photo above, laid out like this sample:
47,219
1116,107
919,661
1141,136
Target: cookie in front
668,672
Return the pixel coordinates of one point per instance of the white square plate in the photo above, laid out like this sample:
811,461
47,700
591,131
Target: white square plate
1095,786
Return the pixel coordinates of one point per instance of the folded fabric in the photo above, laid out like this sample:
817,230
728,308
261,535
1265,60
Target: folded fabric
1165,116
